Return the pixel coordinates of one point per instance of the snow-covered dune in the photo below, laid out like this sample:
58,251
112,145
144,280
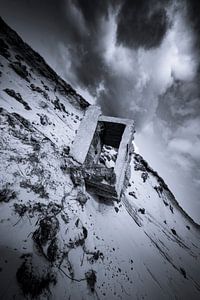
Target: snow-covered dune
56,240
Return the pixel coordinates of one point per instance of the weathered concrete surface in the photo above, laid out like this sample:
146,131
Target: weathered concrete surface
116,120
125,141
117,133
85,134
123,157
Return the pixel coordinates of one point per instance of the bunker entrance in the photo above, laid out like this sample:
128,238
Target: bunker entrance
102,156
102,147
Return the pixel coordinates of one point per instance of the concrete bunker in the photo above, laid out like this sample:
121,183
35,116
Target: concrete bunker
102,146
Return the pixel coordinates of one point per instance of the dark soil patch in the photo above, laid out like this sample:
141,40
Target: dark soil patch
20,69
32,283
91,279
133,194
7,194
48,228
20,209
37,188
141,210
17,97
39,90
58,105
173,231
4,49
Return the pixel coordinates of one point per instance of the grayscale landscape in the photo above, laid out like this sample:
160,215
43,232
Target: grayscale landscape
59,239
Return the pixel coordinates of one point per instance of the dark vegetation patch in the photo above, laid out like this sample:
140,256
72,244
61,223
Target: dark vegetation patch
24,132
116,209
20,209
44,120
65,218
133,194
40,91
17,97
20,69
139,166
85,232
4,49
19,57
96,255
141,210
31,282
171,208
36,144
173,231
7,117
46,239
159,190
165,202
58,105
52,209
7,194
144,176
45,235
48,228
11,121
82,197
24,137
53,252
45,86
91,279
66,150
37,188
22,120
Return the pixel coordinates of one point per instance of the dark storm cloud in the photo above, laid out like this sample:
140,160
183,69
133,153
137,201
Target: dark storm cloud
81,32
93,10
193,9
77,25
142,23
88,43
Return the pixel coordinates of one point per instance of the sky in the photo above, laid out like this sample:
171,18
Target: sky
137,59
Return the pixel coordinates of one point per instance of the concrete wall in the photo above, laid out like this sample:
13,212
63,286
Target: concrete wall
85,133
118,133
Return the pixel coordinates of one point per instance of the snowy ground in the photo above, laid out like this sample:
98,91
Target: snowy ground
54,245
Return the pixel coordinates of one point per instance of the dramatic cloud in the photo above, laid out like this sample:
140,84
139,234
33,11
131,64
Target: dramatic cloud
142,23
